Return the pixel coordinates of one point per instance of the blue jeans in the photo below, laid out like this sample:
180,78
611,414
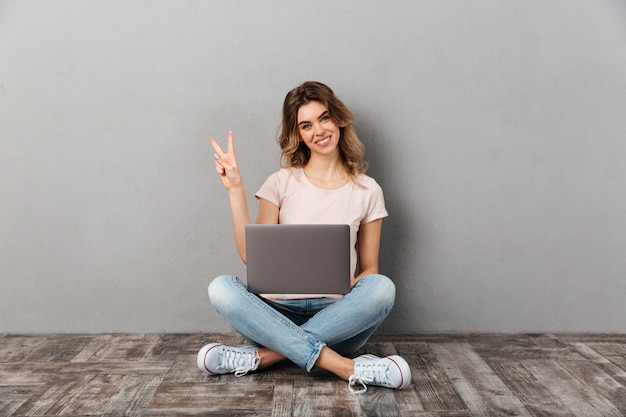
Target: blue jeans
299,329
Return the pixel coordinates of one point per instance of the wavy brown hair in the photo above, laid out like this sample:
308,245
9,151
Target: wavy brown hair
295,153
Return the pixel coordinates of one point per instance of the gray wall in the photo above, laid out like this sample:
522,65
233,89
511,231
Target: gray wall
496,128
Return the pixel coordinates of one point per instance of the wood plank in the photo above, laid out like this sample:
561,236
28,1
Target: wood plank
133,395
16,392
614,352
13,397
127,347
430,384
420,353
435,390
56,392
57,348
90,397
599,381
8,407
378,402
184,369
170,346
578,398
15,348
29,373
420,337
481,389
537,399
90,351
115,367
283,398
232,396
549,341
593,337
324,399
116,347
520,347
408,399
436,414
609,349
607,365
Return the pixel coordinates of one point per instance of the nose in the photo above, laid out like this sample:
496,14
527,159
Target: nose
318,129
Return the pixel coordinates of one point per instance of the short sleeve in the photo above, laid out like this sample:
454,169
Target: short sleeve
376,203
270,189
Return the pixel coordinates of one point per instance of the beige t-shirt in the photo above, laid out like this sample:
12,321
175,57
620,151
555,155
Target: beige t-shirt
301,202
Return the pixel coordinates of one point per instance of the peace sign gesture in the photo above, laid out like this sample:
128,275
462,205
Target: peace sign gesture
226,164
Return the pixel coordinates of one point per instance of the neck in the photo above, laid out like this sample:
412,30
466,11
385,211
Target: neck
326,173
325,167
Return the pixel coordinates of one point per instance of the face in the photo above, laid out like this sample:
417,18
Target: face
317,130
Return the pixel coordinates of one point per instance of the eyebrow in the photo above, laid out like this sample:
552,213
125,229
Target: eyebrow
318,117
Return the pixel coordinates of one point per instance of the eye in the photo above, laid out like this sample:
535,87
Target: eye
325,118
305,126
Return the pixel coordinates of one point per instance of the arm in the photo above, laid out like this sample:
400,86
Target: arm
268,212
368,239
228,170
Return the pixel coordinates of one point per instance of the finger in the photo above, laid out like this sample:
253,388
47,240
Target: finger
222,164
231,145
218,151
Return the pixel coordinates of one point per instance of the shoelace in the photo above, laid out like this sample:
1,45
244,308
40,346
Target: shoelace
240,362
353,381
365,374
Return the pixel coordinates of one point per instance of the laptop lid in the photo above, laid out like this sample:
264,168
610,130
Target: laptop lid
298,258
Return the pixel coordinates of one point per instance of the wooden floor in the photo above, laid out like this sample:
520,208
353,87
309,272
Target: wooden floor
453,375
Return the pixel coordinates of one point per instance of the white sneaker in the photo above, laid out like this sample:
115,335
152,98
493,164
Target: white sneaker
218,359
390,372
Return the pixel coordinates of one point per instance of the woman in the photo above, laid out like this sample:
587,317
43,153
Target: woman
323,181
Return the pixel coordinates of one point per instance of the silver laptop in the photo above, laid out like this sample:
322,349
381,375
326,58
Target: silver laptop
298,258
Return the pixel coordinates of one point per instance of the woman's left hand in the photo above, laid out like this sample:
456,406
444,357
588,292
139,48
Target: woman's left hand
353,281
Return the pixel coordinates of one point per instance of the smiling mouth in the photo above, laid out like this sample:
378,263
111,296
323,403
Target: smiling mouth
323,142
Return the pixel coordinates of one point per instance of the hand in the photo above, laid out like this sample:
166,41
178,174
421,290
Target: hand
226,164
353,281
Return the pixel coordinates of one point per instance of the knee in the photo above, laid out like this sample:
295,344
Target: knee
220,290
382,290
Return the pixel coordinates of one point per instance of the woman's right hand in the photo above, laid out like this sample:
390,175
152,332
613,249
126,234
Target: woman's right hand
226,164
